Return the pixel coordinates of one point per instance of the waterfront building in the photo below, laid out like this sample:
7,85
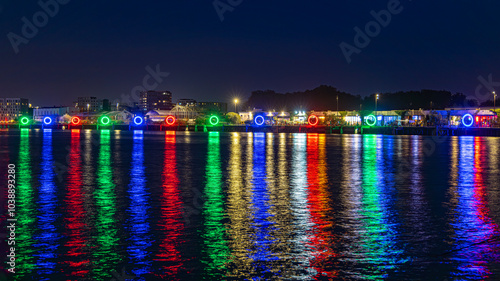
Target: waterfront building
56,111
300,117
104,105
179,112
209,106
271,117
13,108
352,118
87,104
482,117
155,100
187,102
387,118
246,116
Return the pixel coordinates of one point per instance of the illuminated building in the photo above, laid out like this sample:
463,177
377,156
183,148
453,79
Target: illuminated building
87,104
187,102
13,108
156,100
41,112
212,106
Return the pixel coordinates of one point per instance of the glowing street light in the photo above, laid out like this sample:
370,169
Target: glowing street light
376,102
494,100
235,103
88,109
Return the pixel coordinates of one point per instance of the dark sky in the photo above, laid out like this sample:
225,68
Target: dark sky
102,48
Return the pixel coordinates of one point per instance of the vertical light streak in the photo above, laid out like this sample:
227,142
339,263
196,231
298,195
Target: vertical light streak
77,259
138,211
237,210
171,226
106,255
475,230
262,223
216,250
318,201
378,235
26,210
47,236
299,206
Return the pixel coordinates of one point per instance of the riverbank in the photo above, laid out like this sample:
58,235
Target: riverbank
424,131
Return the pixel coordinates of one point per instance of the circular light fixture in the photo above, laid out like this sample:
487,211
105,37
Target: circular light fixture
138,120
47,120
170,120
105,120
313,120
259,120
25,120
75,120
371,120
467,120
214,120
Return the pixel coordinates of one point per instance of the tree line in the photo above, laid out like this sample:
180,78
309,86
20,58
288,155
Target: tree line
330,98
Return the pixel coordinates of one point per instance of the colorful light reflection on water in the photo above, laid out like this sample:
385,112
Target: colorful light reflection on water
261,206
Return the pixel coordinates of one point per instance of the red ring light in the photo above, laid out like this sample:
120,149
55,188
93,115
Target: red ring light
75,120
172,118
311,117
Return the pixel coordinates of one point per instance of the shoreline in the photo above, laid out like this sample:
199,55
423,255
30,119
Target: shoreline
364,130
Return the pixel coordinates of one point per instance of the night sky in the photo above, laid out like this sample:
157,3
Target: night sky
101,48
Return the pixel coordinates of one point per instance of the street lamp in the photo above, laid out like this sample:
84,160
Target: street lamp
235,102
337,103
376,100
494,100
88,109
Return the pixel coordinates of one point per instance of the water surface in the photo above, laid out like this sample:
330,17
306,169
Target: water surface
97,205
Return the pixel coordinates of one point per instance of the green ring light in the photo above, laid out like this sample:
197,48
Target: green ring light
105,120
371,116
212,121
25,120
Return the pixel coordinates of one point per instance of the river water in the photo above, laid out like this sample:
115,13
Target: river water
104,205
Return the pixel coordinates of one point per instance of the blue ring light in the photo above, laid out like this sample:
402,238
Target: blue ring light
138,120
47,120
256,120
467,120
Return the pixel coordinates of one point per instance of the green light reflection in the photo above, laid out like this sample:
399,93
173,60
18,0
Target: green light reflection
216,250
106,256
26,210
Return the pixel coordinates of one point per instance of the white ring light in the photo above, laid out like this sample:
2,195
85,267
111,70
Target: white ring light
257,122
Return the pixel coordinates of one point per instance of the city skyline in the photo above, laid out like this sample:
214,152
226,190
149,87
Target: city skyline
107,50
